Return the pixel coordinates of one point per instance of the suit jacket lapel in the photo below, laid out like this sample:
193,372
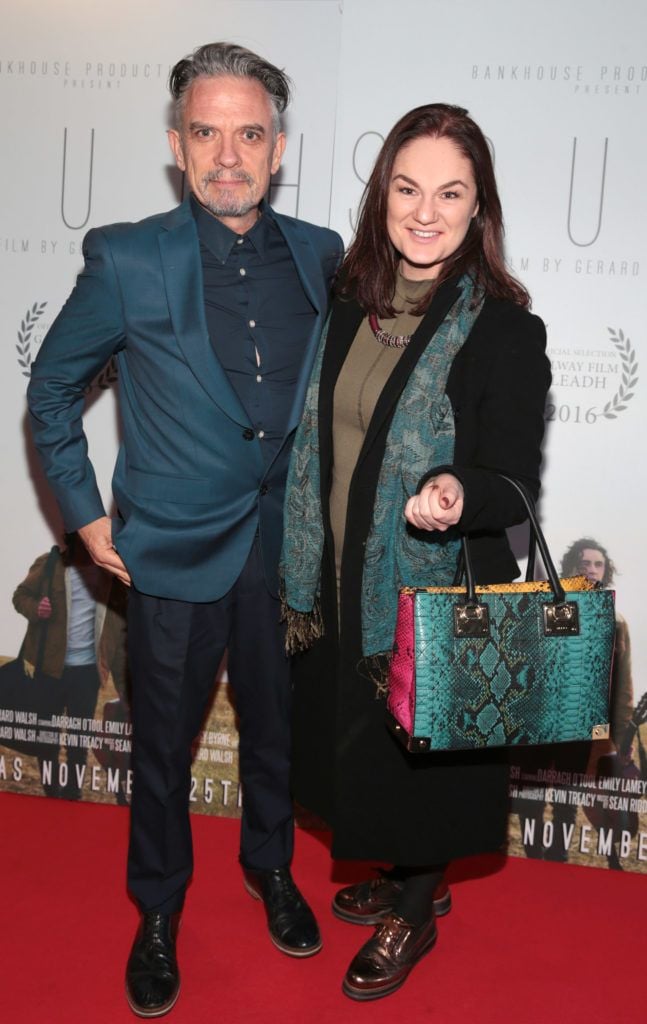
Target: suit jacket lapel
180,255
308,267
306,260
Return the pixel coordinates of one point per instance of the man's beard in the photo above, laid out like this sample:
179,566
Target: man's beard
228,205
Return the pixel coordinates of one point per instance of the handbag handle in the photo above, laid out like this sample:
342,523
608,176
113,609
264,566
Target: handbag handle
530,566
537,540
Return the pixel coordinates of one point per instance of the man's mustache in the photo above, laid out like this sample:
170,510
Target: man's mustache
228,175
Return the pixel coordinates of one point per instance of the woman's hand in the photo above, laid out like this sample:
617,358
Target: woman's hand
439,504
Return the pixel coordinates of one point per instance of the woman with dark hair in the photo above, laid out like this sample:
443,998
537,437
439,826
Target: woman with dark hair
430,381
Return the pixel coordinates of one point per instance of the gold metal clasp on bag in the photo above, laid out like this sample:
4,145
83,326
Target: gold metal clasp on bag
600,732
561,619
471,620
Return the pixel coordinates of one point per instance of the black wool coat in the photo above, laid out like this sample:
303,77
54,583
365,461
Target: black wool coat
381,802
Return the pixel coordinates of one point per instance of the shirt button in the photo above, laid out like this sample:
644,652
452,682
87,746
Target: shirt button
252,323
261,433
258,378
264,488
239,241
242,271
248,434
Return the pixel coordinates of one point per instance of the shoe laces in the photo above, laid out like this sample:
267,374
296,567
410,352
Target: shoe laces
156,928
286,886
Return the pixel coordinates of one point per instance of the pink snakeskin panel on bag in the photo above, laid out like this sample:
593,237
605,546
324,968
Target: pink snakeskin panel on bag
402,676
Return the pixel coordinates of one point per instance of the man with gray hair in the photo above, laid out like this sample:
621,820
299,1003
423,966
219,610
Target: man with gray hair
213,312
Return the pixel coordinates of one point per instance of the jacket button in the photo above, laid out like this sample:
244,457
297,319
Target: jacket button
264,488
248,434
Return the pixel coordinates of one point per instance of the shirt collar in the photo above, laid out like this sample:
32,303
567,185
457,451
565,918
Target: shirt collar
220,239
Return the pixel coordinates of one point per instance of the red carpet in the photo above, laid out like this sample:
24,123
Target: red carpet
527,942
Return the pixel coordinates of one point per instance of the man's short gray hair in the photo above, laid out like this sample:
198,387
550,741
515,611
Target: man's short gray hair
215,59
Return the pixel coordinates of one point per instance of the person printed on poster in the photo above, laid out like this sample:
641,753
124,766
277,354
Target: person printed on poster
85,643
571,761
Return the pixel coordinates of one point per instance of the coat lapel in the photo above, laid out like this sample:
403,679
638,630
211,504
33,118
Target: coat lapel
345,319
441,304
347,315
180,255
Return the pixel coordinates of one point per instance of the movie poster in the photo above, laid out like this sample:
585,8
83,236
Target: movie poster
586,803
105,777
88,758
574,201
65,730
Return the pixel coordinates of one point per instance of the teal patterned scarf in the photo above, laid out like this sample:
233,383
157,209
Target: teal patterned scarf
421,436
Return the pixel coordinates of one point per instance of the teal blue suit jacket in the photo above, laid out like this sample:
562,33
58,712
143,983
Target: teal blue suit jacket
191,488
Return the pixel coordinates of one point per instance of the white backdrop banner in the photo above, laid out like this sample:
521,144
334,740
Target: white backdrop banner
560,89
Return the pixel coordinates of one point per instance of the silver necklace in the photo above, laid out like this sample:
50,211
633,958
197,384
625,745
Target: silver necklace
384,338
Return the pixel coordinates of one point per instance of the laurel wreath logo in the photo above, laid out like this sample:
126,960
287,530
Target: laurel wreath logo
626,391
27,324
103,381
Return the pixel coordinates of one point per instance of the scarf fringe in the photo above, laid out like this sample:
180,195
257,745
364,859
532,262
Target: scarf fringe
302,628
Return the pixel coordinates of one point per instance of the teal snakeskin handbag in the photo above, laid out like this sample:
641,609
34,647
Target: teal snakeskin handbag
502,665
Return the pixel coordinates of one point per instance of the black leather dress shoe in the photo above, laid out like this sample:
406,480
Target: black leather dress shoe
384,963
152,975
292,925
370,902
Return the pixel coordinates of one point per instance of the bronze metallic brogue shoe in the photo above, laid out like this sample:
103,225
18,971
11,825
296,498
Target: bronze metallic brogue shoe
370,902
152,975
386,960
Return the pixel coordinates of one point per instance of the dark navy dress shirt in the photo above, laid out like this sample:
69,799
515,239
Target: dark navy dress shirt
258,317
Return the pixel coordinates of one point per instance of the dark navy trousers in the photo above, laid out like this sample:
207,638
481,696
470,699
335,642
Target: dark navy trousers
175,648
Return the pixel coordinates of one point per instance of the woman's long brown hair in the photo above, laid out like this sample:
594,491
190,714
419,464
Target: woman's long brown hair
370,267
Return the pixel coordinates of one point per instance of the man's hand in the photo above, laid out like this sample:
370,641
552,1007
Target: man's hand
438,506
97,537
44,609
